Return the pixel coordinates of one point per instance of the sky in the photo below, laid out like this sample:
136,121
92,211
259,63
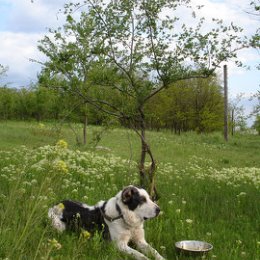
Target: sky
24,22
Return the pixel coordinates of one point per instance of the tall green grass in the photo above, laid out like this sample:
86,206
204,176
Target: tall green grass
209,190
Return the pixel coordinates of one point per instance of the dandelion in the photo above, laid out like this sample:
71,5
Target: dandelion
62,144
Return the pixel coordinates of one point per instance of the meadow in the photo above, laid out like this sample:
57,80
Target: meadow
209,189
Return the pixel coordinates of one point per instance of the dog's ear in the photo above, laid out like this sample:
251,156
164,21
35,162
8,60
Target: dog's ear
127,194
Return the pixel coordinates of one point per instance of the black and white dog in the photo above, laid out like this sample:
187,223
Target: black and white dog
122,217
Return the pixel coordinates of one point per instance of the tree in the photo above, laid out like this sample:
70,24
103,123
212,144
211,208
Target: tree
237,118
3,71
7,102
255,11
257,124
256,109
133,50
190,105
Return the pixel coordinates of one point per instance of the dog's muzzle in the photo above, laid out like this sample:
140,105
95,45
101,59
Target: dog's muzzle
157,211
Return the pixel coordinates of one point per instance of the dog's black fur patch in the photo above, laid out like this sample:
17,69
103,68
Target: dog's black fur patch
132,198
77,217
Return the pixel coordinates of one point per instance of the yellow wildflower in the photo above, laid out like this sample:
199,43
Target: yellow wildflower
61,206
62,144
54,243
85,234
61,166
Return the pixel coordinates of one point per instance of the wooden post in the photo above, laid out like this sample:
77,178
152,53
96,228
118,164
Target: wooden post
225,103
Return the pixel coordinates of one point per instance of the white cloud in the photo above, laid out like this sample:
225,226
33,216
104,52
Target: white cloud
25,24
16,50
229,11
25,16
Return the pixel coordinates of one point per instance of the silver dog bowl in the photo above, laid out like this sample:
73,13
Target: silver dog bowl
193,247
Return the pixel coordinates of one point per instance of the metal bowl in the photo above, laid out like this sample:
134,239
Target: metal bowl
193,247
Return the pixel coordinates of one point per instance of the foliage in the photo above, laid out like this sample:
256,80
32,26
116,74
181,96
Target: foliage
39,103
238,119
3,70
256,7
257,124
256,110
28,103
195,104
255,11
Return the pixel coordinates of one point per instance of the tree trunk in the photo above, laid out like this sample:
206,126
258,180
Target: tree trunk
147,175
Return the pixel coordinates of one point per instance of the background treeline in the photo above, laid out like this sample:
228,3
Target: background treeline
194,104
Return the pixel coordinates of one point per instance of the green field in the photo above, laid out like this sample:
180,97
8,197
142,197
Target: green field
209,189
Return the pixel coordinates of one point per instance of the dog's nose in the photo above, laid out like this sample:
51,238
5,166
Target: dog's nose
157,211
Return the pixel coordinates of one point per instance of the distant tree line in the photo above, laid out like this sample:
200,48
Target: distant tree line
195,104
41,104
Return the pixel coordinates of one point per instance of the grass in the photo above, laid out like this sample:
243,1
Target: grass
209,190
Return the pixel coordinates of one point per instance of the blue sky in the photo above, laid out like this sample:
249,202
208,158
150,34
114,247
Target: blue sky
4,10
24,22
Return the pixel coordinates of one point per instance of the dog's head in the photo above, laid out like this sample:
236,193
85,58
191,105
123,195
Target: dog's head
138,202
